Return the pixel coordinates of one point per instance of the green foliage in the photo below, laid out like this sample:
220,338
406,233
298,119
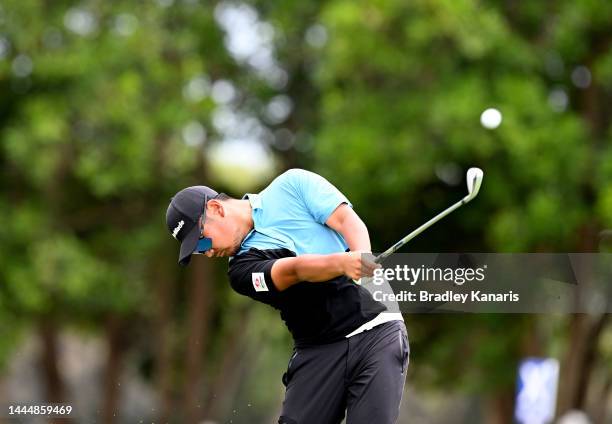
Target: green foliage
92,148
404,87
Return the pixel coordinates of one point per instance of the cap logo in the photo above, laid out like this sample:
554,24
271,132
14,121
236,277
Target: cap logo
178,228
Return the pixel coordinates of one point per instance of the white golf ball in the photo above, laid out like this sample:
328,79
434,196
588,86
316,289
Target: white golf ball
491,118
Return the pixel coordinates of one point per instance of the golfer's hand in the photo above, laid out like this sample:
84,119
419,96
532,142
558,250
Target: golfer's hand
358,264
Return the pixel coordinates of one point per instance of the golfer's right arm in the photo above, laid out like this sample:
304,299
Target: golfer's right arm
316,268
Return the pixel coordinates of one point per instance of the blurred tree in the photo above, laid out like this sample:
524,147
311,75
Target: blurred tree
106,112
95,141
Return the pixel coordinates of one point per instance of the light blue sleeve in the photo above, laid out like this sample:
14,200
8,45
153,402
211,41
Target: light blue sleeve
320,196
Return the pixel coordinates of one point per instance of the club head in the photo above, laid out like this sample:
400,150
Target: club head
474,180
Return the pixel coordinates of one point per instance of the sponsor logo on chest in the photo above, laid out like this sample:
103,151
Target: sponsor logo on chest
259,282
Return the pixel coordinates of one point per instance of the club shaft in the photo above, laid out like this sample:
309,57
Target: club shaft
419,230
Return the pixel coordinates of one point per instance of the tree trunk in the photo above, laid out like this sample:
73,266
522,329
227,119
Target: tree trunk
227,370
602,401
164,294
585,331
501,408
54,385
3,398
590,356
199,312
112,383
243,367
533,338
53,382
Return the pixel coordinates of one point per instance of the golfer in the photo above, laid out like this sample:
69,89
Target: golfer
297,246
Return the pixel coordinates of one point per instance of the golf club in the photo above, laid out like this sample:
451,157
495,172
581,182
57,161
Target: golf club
474,180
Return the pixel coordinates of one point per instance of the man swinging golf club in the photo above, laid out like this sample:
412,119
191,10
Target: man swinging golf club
297,246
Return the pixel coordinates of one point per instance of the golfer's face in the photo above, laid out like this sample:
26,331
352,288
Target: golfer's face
221,232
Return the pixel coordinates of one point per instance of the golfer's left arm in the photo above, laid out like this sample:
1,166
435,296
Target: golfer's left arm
346,222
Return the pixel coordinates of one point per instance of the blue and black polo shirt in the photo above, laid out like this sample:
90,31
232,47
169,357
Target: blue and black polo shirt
289,219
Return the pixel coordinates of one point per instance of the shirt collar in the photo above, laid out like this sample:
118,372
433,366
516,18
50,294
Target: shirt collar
254,200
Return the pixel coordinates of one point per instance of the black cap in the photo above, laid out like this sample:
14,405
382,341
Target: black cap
182,217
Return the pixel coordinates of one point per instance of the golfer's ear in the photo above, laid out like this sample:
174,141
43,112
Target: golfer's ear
215,208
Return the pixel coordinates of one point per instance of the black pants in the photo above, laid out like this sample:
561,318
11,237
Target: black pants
363,375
